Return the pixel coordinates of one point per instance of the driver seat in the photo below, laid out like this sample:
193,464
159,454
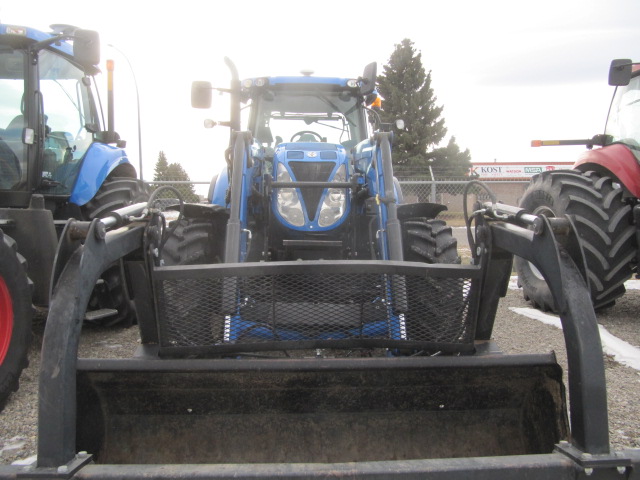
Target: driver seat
307,137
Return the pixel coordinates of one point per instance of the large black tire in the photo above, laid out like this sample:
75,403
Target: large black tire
603,221
112,292
16,314
429,241
192,242
191,304
115,192
436,306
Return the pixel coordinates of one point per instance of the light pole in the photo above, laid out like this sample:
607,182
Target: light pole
135,83
433,184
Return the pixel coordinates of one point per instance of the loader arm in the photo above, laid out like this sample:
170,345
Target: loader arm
82,268
589,419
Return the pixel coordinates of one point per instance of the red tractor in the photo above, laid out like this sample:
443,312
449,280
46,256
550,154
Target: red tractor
600,195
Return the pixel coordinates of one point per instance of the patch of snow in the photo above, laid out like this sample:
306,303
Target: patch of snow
632,284
15,443
25,462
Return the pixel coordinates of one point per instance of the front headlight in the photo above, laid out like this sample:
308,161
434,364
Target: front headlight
334,201
289,206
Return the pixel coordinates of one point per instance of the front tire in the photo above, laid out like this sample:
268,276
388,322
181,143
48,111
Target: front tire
429,241
16,313
436,305
603,221
192,242
191,305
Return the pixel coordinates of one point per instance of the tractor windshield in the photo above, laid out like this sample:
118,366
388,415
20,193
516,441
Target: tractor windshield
623,124
69,118
63,113
308,116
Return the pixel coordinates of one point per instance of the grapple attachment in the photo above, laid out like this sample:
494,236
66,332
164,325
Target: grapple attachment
316,368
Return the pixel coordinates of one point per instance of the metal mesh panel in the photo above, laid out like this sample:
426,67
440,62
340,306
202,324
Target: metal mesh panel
305,310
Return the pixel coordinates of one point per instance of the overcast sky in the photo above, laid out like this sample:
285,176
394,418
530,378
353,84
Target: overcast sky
506,72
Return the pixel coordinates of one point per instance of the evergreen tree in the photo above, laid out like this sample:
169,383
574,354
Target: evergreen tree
168,172
407,94
449,161
160,172
176,172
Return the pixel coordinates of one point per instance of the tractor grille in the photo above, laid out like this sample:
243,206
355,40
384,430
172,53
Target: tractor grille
216,309
308,172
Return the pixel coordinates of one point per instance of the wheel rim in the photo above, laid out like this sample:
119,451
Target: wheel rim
547,212
6,319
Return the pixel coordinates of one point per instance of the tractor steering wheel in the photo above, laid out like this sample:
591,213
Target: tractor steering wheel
306,132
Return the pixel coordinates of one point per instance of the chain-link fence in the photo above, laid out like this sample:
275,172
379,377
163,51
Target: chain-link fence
445,191
190,191
449,192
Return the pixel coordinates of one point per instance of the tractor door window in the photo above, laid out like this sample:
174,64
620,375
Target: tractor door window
624,118
13,169
67,109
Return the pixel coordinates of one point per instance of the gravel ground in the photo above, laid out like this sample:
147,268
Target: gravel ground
514,333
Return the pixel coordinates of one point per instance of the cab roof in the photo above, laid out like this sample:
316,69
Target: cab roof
31,35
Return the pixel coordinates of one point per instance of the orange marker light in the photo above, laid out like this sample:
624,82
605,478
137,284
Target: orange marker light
545,143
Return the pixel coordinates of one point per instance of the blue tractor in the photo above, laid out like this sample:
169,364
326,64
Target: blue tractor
309,180
57,161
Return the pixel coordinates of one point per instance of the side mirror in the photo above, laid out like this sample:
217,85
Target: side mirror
86,47
368,81
201,94
620,72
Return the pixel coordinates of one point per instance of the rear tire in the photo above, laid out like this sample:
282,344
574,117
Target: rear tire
435,311
115,193
16,313
603,221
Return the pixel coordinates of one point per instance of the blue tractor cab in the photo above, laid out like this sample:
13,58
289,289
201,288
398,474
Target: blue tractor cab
53,141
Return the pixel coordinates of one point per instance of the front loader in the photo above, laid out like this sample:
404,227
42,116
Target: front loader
274,352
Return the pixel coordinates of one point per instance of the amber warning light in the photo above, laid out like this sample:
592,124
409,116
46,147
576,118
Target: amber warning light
544,143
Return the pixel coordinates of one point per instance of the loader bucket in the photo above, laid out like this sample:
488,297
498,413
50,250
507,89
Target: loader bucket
309,410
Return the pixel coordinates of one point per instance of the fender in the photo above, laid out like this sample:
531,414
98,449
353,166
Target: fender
99,161
616,160
219,190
